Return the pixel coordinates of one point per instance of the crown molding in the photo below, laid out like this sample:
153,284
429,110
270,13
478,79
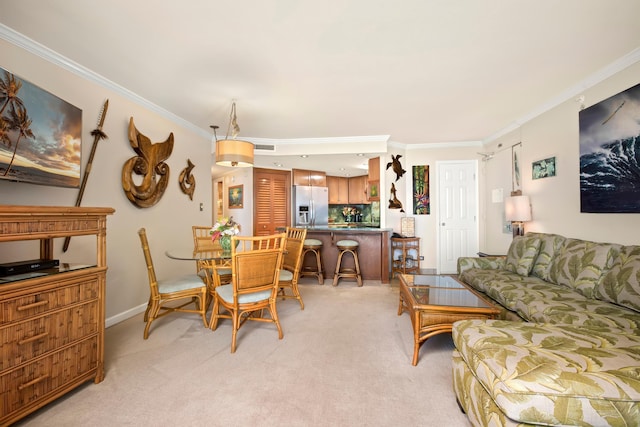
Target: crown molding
572,92
20,40
65,63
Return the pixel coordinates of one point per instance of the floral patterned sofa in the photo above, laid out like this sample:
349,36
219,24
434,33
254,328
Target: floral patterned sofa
566,350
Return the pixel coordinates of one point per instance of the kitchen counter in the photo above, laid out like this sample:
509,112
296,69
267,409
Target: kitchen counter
373,250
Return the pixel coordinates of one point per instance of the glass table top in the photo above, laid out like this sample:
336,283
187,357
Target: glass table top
441,290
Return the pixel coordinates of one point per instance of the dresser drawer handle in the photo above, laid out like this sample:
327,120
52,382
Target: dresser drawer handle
34,305
32,382
33,338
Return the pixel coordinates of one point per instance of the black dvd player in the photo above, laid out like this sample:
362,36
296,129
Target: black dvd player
27,266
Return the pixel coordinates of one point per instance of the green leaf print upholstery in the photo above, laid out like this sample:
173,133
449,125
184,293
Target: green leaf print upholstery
522,254
621,285
575,359
552,374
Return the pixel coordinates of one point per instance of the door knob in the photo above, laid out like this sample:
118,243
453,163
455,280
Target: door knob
443,224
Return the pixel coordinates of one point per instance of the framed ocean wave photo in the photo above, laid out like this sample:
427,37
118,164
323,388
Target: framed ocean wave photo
40,135
610,154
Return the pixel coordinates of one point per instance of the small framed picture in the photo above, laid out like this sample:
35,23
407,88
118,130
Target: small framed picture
235,197
544,168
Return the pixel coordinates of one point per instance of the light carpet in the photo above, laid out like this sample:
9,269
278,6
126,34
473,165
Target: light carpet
345,360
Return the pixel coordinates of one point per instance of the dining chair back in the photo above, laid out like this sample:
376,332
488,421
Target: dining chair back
291,264
255,264
202,239
213,272
189,287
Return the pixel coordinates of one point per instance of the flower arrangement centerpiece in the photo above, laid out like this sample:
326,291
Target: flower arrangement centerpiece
223,229
348,213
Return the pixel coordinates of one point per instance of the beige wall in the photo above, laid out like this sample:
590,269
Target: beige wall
168,223
556,200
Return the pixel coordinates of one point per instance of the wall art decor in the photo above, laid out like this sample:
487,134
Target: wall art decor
149,164
394,203
610,154
543,168
421,204
40,135
396,166
98,135
187,181
516,176
236,197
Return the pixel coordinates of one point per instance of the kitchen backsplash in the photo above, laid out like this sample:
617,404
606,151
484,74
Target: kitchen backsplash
368,214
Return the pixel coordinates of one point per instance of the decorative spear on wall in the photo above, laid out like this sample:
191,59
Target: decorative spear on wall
97,136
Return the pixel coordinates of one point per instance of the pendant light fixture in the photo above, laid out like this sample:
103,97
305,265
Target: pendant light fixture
233,152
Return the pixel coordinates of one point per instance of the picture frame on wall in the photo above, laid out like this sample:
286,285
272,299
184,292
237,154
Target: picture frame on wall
544,168
42,143
236,197
609,135
516,169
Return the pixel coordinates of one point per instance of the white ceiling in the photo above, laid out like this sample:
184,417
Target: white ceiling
407,72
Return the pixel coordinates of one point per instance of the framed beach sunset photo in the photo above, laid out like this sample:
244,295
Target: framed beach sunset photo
40,135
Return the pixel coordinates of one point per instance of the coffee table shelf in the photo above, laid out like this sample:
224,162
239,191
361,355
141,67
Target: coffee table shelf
435,302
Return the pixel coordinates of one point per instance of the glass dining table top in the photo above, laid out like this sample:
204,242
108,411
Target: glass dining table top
191,255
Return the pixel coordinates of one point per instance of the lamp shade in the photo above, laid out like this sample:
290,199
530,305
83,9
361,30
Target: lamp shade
234,152
517,208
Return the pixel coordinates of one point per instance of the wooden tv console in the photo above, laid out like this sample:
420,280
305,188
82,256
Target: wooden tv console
51,321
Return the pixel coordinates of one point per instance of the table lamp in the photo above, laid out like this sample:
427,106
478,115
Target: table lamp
517,209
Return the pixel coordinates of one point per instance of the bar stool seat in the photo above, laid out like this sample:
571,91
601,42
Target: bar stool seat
347,246
313,246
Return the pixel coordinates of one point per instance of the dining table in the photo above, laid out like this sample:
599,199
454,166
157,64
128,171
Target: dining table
214,264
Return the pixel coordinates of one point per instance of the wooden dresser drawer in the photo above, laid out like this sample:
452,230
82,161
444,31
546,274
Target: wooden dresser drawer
43,378
27,306
26,340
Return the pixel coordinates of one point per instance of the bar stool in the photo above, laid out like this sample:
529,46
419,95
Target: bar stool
313,246
347,246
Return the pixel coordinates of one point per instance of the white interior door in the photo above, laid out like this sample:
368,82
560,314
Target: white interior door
457,212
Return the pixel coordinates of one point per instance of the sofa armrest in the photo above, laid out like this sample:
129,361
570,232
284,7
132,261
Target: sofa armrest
484,263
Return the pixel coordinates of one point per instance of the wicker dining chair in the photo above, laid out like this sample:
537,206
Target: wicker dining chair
291,264
213,272
255,265
189,287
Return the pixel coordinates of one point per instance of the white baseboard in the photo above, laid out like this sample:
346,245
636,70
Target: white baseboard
121,317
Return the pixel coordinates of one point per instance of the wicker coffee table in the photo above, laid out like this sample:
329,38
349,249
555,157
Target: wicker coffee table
434,302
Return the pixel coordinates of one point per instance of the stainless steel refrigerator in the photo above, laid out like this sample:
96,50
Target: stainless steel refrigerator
311,205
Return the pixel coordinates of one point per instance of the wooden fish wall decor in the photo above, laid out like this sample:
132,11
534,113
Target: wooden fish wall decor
397,167
187,181
394,203
149,164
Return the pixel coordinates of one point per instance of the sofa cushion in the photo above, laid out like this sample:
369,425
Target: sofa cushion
554,374
522,254
550,245
621,284
580,264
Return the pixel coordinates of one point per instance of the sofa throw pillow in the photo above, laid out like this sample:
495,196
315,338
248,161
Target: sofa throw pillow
522,254
581,264
550,246
621,284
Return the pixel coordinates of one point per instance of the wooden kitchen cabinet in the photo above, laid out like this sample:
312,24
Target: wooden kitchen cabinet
374,169
358,190
51,320
309,177
338,190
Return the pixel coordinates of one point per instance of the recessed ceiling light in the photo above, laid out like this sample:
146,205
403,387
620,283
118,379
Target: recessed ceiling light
304,156
341,169
360,154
